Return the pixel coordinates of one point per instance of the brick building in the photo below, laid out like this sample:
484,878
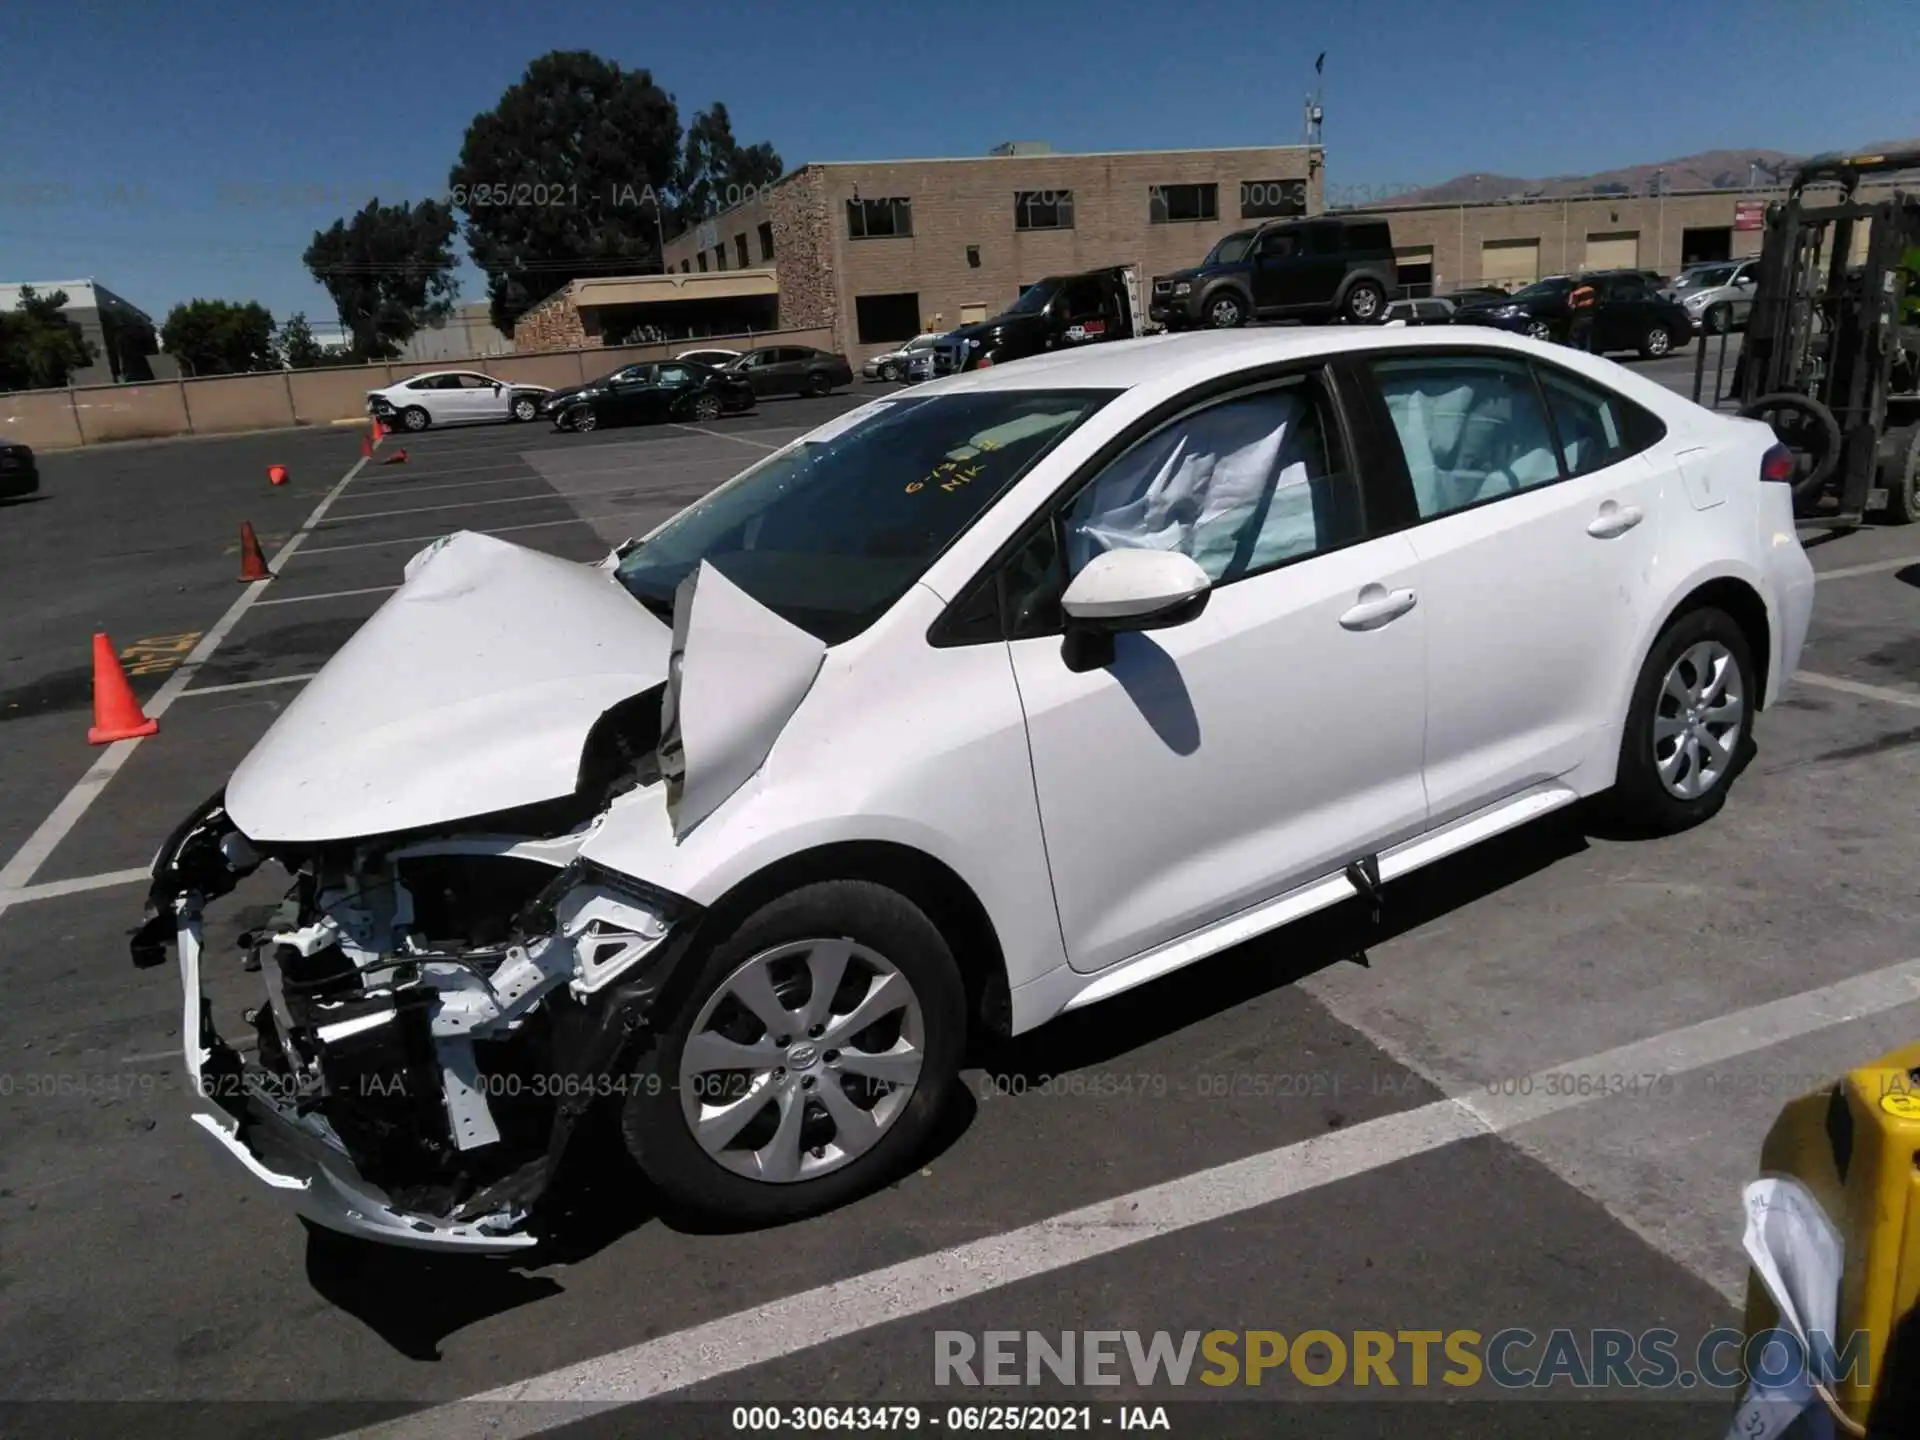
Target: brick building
876,251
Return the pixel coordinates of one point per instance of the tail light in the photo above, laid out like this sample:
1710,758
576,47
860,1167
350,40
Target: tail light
1777,465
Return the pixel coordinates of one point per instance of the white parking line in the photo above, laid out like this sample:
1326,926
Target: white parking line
1873,567
199,690
1856,687
326,594
476,504
741,439
33,853
79,885
785,1327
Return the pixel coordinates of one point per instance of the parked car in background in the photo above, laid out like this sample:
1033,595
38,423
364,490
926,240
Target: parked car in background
1430,310
1720,296
1629,314
792,370
893,365
666,390
1057,312
1473,294
19,475
718,359
923,365
455,397
759,828
1329,268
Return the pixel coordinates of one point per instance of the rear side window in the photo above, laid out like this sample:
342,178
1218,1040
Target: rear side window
1372,237
1596,428
1471,428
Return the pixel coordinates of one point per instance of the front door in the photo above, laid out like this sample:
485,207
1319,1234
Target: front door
481,398
630,396
1531,552
1267,742
1277,269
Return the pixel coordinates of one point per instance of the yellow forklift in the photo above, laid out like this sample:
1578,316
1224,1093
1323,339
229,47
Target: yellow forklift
1831,355
1833,1233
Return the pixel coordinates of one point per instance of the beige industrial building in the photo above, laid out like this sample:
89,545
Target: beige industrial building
874,252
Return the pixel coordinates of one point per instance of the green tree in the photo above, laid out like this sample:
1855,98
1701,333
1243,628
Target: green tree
389,270
571,174
39,346
219,337
297,345
716,171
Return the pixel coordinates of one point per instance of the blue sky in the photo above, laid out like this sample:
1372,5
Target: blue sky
127,130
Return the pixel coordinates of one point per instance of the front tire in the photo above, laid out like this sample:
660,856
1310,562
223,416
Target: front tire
1539,330
415,419
525,409
1688,726
1657,342
583,420
1901,476
889,372
808,1063
1718,319
1365,304
1225,311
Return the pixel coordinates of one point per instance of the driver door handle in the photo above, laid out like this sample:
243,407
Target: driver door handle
1378,606
1614,520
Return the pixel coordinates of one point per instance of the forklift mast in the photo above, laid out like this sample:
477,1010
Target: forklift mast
1825,330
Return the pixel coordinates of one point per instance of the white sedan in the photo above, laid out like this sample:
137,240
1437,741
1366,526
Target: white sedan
981,703
455,397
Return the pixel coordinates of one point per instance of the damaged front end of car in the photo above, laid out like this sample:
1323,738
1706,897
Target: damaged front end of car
437,1013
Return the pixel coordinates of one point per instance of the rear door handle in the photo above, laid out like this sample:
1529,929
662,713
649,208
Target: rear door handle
1378,606
1615,519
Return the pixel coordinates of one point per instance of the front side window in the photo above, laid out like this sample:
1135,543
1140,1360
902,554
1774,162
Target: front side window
1240,487
1230,249
1471,429
831,531
476,382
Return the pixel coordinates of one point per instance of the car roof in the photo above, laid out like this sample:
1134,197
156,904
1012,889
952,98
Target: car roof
1177,361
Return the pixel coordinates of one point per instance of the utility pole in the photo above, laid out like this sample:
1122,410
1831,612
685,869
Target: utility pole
1314,111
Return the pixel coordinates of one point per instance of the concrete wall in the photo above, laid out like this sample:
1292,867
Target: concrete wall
1458,234
225,404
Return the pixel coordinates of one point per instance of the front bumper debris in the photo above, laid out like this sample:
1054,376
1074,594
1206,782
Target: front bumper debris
296,1157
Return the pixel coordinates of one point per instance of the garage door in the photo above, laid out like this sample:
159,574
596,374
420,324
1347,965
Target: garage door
1510,262
1614,250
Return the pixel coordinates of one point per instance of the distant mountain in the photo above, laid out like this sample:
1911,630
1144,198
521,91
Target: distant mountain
1708,170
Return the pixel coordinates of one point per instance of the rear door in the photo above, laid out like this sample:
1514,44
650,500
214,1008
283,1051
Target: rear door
1537,517
1624,313
673,389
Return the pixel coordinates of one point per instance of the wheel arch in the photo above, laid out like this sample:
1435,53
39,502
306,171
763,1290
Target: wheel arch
948,901
1232,284
1741,600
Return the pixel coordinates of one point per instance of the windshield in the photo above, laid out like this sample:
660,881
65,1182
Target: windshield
831,531
1542,290
1231,248
1035,299
1705,276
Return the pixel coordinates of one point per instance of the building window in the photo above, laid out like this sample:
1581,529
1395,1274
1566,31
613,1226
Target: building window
740,249
720,257
702,257
685,266
766,240
1272,199
877,219
887,319
1171,204
1043,210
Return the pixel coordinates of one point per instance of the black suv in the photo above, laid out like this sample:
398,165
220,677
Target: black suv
1628,313
1323,269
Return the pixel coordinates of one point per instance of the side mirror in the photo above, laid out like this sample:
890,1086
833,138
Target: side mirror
1122,590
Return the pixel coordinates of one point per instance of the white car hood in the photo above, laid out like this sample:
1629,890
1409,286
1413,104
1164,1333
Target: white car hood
471,690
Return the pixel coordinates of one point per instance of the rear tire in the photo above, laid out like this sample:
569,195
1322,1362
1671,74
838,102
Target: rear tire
818,385
738,1181
706,407
1689,725
1366,304
1902,477
1657,342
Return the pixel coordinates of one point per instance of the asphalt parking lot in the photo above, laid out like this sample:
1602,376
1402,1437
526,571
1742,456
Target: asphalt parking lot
1333,1128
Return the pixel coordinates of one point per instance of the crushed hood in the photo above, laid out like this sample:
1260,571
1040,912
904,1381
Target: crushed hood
471,690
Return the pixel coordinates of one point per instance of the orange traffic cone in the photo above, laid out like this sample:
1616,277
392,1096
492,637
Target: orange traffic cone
277,474
253,565
379,430
366,446
398,457
116,714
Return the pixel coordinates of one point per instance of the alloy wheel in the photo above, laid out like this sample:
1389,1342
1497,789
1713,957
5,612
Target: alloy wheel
801,1060
1538,330
1658,341
584,420
707,407
1697,720
524,409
